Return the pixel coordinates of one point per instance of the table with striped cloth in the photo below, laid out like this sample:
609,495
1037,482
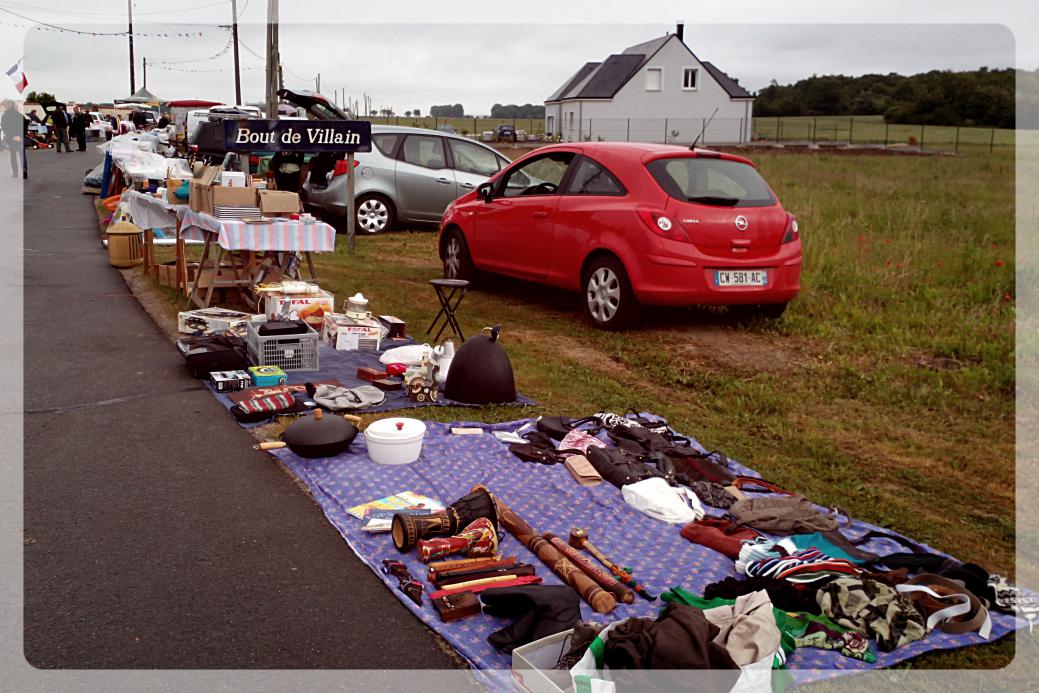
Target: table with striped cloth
280,235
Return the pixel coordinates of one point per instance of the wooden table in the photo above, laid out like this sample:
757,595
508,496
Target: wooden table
254,251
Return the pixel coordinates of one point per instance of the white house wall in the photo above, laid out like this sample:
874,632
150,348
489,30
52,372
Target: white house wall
671,114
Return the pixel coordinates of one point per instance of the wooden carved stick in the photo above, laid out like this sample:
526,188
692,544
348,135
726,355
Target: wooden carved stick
463,562
605,580
579,540
600,600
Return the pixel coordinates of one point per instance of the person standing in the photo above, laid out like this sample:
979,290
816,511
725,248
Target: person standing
60,120
138,119
78,129
164,121
287,170
14,126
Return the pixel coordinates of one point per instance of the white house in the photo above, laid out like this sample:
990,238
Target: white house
657,91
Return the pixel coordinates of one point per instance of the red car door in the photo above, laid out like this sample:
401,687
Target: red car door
514,230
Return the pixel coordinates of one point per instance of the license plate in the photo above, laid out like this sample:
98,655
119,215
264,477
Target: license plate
740,278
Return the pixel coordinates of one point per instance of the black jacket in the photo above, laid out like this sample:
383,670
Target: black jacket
60,119
79,123
13,124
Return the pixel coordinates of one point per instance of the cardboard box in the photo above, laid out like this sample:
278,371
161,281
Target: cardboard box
200,198
234,179
310,308
230,381
346,334
533,666
234,197
215,321
206,194
279,202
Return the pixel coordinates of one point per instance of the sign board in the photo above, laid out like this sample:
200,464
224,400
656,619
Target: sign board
297,135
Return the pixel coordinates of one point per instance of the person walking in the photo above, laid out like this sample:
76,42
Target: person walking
78,129
60,120
15,126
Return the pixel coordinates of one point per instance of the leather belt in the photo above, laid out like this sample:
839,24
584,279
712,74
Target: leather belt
959,610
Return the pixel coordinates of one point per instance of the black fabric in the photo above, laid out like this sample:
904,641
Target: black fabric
925,562
59,119
204,354
540,448
539,610
877,534
785,595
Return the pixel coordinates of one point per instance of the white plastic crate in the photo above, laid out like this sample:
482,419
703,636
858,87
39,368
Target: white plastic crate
297,352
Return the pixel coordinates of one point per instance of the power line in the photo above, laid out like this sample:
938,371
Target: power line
178,10
285,67
221,52
54,27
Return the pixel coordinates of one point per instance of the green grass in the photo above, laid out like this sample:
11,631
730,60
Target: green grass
855,129
887,389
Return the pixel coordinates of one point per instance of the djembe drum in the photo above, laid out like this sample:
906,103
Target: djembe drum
480,538
408,529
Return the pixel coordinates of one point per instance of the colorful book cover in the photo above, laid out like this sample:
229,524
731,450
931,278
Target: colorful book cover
398,501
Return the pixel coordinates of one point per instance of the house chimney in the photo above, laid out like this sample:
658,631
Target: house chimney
680,31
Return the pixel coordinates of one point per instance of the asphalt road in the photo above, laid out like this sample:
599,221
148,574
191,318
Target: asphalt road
155,536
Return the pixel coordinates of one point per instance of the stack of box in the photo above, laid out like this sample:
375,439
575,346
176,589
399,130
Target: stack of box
344,333
215,321
311,308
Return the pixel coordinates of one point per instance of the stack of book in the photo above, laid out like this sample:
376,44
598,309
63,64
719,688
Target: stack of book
227,212
378,514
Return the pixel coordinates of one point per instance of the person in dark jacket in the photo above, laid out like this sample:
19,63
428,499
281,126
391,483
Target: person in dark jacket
138,119
15,127
164,121
78,129
60,120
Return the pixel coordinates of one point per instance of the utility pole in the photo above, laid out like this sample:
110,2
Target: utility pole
234,38
133,80
273,59
145,62
317,83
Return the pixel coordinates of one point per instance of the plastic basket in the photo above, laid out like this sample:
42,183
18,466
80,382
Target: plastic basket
298,352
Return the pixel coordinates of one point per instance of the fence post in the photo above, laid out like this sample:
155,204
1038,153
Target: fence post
627,132
779,129
851,129
703,130
665,130
435,123
922,126
815,126
835,132
956,147
887,126
589,129
992,141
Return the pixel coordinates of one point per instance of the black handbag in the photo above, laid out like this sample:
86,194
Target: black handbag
556,427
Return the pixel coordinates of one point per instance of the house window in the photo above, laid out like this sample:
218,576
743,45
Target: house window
551,125
690,78
570,115
654,78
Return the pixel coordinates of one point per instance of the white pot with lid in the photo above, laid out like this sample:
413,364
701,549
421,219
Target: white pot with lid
396,440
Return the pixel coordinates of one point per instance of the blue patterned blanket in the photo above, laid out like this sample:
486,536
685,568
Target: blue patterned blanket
550,500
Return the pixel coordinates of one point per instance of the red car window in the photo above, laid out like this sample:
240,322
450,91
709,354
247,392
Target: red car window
592,178
540,176
711,181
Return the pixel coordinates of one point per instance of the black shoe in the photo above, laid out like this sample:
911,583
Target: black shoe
25,174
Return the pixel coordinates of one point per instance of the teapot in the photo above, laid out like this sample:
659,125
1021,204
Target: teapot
441,357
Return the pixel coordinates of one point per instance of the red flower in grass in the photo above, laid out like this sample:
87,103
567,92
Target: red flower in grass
940,264
887,241
898,266
889,263
994,245
1007,297
999,263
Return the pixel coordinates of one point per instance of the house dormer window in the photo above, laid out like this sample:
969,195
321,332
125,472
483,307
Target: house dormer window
690,79
654,78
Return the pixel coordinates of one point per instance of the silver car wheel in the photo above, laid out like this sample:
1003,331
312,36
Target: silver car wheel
603,294
373,215
452,258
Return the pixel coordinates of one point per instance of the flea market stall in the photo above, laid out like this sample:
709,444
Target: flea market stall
605,551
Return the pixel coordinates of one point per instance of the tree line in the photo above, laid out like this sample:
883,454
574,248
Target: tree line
980,97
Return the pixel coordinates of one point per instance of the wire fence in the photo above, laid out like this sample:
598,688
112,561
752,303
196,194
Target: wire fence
822,131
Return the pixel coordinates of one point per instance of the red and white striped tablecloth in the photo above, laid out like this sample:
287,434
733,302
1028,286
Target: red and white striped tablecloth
281,235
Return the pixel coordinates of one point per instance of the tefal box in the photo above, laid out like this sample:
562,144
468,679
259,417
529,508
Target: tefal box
311,308
215,321
343,333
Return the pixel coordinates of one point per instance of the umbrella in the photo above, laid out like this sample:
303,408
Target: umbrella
141,96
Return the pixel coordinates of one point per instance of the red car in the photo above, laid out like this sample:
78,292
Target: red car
630,224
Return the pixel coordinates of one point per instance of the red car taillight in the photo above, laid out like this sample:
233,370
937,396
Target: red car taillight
342,167
791,234
662,225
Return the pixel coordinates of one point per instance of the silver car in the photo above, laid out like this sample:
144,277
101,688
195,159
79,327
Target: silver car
411,175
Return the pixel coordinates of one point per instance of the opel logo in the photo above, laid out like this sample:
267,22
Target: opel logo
741,223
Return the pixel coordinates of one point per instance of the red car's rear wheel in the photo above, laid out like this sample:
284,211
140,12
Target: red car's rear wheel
609,301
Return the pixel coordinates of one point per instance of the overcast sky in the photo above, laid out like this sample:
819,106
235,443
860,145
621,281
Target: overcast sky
439,58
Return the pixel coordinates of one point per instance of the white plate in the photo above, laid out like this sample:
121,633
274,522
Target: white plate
740,277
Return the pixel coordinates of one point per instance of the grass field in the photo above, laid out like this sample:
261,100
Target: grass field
887,390
854,129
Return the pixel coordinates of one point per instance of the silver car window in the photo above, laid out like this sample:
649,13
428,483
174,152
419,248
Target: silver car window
386,143
424,150
472,158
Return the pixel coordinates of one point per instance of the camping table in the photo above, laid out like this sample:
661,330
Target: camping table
150,212
278,241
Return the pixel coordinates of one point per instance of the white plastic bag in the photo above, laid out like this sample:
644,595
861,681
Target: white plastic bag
656,498
409,355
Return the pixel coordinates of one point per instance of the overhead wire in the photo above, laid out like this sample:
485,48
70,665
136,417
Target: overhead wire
137,13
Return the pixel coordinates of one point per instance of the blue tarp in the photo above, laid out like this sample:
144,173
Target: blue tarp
549,499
